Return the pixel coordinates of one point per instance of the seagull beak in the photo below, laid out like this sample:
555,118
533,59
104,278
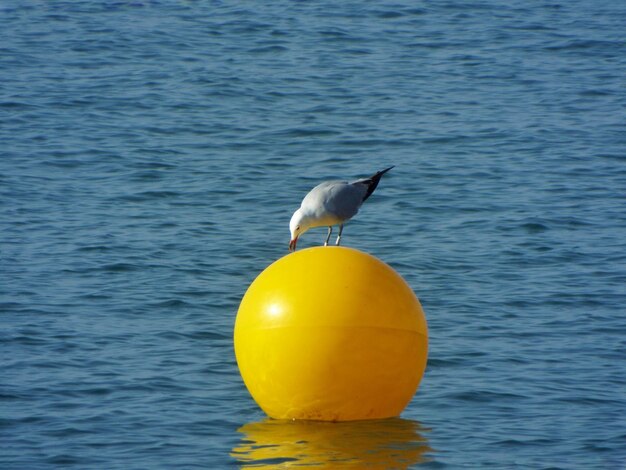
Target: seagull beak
292,244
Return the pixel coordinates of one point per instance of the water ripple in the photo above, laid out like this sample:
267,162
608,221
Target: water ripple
153,153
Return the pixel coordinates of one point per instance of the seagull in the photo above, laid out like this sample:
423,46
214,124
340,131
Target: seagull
331,203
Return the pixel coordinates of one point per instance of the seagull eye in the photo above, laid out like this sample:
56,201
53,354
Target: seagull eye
298,227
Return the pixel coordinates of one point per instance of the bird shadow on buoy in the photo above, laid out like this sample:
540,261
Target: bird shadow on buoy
385,443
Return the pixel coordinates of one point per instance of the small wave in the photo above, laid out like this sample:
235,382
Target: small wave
94,248
534,227
530,442
148,196
147,175
205,335
119,267
595,92
389,15
274,49
485,396
171,303
586,44
436,363
16,105
28,340
301,132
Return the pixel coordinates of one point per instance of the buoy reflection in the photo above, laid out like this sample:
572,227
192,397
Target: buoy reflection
389,443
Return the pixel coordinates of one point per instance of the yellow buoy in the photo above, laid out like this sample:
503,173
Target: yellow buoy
333,334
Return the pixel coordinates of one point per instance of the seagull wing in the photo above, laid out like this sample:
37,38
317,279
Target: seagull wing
335,201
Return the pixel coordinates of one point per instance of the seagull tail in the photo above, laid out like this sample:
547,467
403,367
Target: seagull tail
372,182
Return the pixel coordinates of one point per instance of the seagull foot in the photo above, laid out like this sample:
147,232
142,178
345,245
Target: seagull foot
339,236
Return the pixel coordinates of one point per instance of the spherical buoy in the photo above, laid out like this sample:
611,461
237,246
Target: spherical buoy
333,334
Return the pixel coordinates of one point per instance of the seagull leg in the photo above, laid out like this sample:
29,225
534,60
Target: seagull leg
339,236
330,230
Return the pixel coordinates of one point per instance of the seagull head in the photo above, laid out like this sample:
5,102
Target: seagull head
299,224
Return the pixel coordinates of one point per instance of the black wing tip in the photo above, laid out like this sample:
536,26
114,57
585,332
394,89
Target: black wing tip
380,173
372,182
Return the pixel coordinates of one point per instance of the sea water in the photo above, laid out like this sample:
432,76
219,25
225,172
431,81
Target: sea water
152,153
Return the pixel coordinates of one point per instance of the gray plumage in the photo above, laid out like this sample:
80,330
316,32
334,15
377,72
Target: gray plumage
331,203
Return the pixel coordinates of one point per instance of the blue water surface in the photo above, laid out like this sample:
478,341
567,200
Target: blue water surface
152,153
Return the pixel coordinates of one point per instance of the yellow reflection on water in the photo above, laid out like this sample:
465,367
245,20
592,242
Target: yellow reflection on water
388,443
